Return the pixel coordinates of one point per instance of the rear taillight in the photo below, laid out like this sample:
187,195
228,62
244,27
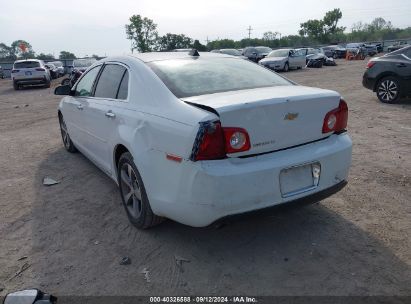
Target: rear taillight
214,141
236,140
370,64
15,71
40,70
336,120
210,142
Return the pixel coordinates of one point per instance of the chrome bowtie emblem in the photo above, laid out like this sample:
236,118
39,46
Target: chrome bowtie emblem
290,116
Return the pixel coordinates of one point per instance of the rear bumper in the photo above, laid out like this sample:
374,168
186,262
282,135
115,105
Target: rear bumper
200,193
28,81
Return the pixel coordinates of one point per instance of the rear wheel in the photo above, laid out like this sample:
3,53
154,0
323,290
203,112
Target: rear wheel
388,89
133,194
68,144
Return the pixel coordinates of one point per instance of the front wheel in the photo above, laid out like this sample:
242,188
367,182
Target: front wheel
65,81
68,144
133,194
16,86
286,67
388,90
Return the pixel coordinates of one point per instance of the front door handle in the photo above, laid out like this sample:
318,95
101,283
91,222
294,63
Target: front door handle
110,114
401,65
80,107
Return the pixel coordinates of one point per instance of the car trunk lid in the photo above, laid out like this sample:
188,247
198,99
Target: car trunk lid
275,118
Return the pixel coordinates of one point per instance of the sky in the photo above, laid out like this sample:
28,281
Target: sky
97,27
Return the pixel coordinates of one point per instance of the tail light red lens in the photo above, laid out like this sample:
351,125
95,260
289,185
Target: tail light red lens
370,64
336,120
40,70
214,142
15,71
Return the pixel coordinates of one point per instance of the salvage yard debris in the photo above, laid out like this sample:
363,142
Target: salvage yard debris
47,181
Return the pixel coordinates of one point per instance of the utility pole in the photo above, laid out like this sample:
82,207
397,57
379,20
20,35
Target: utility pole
207,40
249,32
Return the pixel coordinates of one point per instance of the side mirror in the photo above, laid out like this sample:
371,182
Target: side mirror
254,54
62,90
29,296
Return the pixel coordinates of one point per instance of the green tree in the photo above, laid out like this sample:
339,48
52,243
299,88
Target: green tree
43,56
330,22
6,52
143,34
198,46
66,55
170,42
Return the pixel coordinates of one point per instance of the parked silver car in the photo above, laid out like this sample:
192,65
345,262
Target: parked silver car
283,60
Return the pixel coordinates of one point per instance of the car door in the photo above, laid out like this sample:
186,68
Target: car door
404,70
293,60
74,108
104,112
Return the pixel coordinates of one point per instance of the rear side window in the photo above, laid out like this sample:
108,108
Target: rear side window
123,90
85,85
109,81
27,65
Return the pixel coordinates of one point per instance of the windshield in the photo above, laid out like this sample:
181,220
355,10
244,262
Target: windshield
193,77
279,53
27,65
232,52
83,63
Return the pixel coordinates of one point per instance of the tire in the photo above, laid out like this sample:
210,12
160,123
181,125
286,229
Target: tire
388,89
133,194
286,67
65,81
16,86
48,84
335,56
68,144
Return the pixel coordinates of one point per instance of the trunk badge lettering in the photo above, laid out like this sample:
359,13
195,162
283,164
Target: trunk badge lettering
290,116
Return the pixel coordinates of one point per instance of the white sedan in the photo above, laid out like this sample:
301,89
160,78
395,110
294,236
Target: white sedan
198,137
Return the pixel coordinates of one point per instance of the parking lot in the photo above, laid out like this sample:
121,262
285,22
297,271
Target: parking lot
69,238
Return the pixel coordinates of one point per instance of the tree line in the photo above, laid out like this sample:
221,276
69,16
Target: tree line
144,36
21,49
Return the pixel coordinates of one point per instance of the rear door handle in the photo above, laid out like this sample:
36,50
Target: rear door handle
80,107
110,114
401,65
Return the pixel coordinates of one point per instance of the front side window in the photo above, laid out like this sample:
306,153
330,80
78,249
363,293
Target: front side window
109,81
85,85
192,77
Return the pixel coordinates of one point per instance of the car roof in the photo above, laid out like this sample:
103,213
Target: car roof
157,56
24,60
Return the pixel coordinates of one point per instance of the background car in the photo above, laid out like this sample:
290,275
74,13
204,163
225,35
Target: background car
396,46
284,59
390,75
30,72
371,49
256,53
54,73
60,67
1,73
181,134
232,52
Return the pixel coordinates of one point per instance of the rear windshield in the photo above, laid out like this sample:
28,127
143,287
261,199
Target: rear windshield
58,64
27,65
193,77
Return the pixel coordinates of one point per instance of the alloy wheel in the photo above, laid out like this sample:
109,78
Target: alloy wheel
387,90
64,134
131,190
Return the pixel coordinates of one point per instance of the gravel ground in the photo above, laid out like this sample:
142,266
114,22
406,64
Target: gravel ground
70,238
